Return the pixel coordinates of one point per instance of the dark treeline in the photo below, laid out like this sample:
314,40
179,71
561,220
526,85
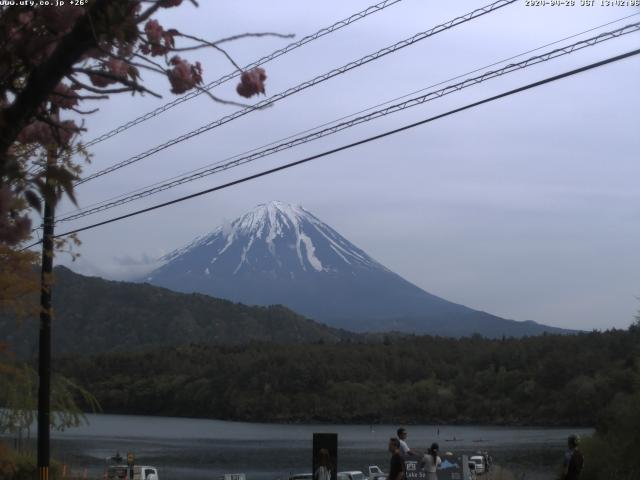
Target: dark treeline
545,380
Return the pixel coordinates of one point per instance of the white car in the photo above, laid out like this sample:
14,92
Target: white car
301,476
478,460
376,473
351,475
140,472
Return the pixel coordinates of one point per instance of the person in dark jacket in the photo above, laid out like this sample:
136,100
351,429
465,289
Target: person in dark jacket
573,459
396,466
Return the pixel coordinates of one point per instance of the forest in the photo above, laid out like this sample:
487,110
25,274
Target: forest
589,379
543,380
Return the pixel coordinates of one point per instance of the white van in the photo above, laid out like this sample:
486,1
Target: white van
140,472
479,462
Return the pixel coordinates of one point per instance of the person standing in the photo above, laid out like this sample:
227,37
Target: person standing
573,459
396,465
431,461
323,472
404,448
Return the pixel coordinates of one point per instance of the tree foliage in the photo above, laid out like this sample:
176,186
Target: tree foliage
19,281
19,399
546,380
55,59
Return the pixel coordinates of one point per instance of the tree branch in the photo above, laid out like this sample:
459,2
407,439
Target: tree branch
220,100
44,78
212,45
256,35
125,81
85,112
97,90
147,13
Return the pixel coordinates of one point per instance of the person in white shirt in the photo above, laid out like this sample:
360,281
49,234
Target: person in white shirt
323,472
404,448
431,461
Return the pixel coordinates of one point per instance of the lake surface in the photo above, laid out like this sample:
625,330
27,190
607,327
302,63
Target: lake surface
197,449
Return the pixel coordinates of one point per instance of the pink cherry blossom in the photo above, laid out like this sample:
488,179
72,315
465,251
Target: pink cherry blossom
118,67
154,31
160,41
252,82
184,76
44,134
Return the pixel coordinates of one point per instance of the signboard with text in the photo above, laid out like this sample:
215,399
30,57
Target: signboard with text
454,469
413,471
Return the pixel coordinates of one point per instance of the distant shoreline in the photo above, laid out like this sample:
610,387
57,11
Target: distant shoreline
381,424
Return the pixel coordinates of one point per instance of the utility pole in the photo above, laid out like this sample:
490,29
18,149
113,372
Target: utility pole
44,358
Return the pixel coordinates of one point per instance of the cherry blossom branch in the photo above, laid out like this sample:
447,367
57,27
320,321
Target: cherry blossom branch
57,125
147,13
135,86
212,45
256,35
142,57
44,78
97,90
155,68
85,112
221,100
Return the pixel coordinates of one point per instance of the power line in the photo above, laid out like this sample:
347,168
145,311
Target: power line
278,53
230,76
354,144
201,169
241,160
310,83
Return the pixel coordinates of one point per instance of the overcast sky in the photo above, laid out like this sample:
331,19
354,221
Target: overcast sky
527,208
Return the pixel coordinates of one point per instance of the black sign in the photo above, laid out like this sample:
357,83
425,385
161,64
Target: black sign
325,456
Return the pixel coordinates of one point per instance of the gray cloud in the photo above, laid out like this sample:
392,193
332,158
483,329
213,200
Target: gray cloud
526,207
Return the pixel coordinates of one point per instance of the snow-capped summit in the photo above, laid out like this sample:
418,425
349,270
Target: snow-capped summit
274,237
282,254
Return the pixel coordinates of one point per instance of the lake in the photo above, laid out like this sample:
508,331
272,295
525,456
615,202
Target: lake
184,448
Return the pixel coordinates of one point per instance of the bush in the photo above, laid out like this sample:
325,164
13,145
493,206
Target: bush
611,454
21,466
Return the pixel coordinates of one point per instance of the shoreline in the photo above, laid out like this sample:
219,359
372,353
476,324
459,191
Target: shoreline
381,423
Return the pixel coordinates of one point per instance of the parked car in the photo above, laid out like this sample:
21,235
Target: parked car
140,472
479,462
472,471
351,475
301,476
376,473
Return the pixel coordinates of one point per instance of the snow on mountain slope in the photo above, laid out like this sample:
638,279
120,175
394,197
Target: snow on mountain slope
282,254
269,238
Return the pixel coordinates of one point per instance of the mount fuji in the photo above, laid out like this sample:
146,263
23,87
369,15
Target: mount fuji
282,254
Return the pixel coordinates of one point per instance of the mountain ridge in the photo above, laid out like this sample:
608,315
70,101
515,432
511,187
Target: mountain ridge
94,315
279,253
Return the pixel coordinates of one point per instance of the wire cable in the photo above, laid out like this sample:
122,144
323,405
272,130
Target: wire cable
469,106
412,102
261,61
267,58
303,86
200,169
